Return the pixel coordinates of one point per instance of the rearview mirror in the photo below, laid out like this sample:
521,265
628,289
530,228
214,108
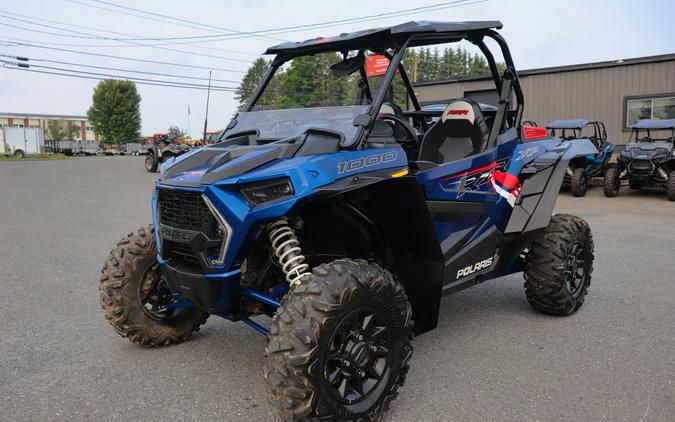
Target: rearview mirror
348,66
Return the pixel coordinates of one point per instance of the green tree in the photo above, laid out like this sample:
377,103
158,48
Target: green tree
250,81
72,130
115,111
55,129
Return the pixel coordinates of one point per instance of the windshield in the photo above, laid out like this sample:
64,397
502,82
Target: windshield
272,125
653,135
309,82
321,91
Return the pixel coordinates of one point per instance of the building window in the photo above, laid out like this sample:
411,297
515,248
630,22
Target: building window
648,107
17,125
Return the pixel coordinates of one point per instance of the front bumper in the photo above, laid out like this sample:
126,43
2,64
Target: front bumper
215,293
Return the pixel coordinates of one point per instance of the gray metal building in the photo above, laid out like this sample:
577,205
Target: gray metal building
617,92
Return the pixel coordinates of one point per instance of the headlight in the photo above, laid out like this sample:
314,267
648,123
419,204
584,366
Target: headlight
257,193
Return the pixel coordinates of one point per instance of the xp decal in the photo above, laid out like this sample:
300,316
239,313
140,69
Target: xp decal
527,153
363,162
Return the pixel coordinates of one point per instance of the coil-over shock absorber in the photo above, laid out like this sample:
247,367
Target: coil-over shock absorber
286,247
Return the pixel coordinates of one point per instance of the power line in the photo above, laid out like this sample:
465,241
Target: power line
86,35
171,20
108,75
298,28
111,56
167,84
31,59
200,24
244,53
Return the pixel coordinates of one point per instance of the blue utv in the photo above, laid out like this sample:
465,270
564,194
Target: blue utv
582,169
648,160
329,219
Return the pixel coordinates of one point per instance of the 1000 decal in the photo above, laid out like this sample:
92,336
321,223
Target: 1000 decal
364,162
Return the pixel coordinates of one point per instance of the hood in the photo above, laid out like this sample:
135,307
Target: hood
647,150
212,163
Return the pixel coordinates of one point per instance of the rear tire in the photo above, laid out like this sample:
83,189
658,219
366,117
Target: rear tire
151,163
19,153
579,182
558,266
134,297
340,344
611,184
671,186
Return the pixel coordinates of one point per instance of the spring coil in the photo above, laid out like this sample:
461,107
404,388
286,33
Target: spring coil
286,247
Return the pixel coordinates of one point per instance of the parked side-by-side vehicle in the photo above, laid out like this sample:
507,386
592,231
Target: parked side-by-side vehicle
582,169
648,161
333,222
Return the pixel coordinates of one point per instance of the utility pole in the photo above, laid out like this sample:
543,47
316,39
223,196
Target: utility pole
206,117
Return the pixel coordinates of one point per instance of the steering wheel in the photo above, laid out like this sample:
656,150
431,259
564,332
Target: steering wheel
410,135
646,139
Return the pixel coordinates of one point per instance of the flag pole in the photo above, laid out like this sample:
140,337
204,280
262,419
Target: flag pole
206,117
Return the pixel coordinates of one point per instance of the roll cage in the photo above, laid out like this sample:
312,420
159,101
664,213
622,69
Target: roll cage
647,125
572,129
393,42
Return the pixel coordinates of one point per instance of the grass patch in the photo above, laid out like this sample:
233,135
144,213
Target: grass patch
34,157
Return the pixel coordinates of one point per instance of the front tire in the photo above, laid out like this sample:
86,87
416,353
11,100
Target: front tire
579,182
135,298
558,266
611,184
151,163
340,344
671,186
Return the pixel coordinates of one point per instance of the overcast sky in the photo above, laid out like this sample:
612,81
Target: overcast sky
540,33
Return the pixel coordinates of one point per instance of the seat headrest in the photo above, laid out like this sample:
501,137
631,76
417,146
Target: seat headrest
386,109
461,110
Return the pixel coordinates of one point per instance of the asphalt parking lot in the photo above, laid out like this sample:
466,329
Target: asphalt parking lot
491,358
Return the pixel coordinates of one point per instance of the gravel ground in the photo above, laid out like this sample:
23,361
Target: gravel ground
491,358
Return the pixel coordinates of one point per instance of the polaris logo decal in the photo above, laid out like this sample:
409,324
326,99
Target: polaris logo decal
175,234
480,265
364,162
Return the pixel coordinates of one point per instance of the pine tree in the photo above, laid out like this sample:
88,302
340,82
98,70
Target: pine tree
250,81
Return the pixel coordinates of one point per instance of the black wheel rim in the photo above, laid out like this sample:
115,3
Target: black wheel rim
359,356
576,269
156,298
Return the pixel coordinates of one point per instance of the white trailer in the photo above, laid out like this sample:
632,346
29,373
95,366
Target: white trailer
21,141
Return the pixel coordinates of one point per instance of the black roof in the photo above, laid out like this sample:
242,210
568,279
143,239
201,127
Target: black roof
570,124
386,36
654,124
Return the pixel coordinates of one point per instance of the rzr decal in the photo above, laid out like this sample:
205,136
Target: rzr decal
469,181
363,162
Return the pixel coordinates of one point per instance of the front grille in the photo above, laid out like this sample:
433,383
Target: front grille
641,165
182,252
184,210
187,211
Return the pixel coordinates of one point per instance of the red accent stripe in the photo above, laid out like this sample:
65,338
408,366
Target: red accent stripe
473,171
507,180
